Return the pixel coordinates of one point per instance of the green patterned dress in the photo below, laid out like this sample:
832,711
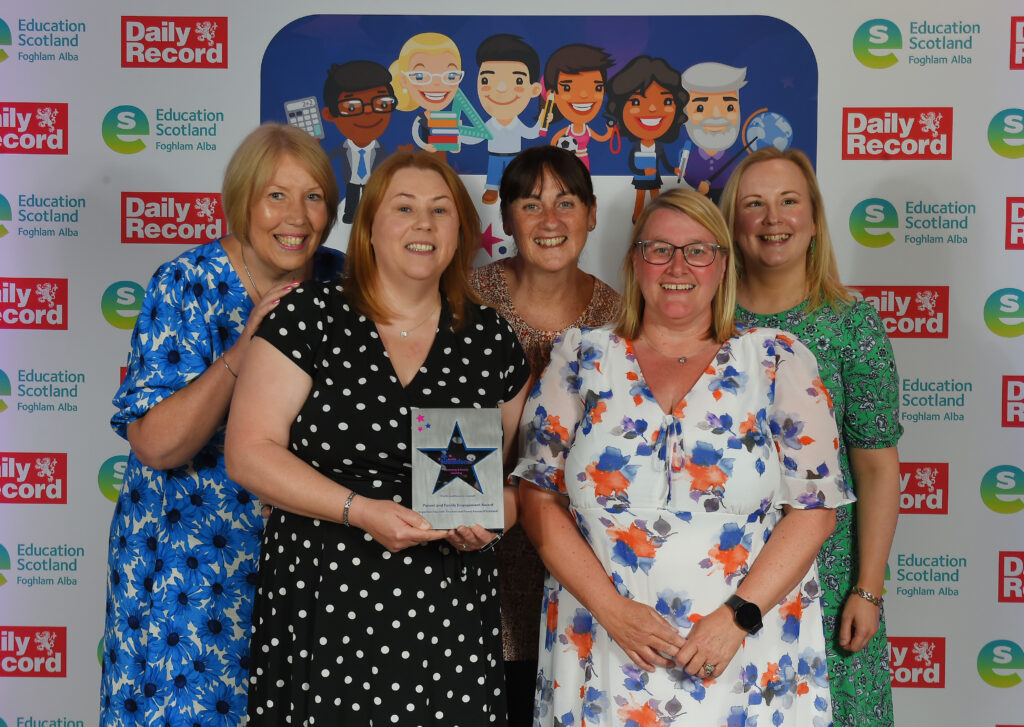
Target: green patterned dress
857,366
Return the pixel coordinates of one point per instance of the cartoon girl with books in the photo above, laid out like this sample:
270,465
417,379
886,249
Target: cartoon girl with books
426,76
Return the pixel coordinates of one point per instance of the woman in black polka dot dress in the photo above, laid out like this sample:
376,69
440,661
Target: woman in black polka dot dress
364,615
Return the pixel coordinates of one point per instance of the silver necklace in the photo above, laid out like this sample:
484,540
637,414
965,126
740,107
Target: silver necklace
405,333
680,359
241,249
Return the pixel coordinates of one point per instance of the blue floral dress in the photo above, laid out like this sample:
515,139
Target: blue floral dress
677,507
184,543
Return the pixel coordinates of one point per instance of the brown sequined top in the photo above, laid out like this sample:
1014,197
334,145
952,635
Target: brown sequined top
520,568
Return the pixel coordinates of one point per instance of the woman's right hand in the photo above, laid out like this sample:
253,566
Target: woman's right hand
641,632
390,524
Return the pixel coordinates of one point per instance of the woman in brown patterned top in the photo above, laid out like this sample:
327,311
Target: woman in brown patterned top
548,207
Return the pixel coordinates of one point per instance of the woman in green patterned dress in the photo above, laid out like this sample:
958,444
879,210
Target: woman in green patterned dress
789,280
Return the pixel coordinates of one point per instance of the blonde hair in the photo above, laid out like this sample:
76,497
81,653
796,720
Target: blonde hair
821,268
252,165
361,265
432,43
702,211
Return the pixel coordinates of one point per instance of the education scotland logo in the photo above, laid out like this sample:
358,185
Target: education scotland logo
1000,663
1006,133
167,41
1002,489
28,127
917,132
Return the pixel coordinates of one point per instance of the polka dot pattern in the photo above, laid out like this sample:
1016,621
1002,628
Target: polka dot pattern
345,632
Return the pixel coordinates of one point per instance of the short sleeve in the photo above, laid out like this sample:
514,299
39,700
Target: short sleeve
551,417
803,426
517,370
298,325
870,382
170,343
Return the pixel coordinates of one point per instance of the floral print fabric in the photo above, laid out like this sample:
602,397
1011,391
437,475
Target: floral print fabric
183,542
677,507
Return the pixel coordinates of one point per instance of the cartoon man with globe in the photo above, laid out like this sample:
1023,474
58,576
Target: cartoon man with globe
713,123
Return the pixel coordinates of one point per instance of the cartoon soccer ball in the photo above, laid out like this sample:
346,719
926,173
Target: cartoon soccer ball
568,143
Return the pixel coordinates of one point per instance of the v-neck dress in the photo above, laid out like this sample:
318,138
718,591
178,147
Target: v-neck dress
344,631
677,507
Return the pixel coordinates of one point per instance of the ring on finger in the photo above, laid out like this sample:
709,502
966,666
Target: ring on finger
709,669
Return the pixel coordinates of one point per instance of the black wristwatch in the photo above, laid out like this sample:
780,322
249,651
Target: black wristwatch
747,614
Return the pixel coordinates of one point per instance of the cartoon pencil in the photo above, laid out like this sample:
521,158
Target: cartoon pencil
684,159
548,103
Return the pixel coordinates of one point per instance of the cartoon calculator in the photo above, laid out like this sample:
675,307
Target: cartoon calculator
305,114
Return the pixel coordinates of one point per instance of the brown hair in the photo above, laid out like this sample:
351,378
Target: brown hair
360,263
526,171
252,165
822,271
702,211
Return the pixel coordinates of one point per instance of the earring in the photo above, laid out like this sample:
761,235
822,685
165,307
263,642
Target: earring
814,242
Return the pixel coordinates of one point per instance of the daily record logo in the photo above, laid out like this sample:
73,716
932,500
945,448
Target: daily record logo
910,311
1002,489
174,218
874,41
1017,43
34,304
1000,663
1013,401
1015,223
28,127
33,651
174,42
33,478
913,132
1011,576
924,488
917,662
1006,133
1004,312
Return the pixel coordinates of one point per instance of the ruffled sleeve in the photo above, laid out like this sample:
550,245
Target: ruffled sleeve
553,413
804,429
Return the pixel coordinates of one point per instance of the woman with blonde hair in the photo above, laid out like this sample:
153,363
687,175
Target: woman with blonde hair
677,479
788,278
365,615
426,75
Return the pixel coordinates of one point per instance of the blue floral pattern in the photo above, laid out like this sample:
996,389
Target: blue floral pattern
677,507
183,542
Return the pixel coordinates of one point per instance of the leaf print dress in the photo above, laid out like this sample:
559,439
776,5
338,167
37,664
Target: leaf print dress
677,507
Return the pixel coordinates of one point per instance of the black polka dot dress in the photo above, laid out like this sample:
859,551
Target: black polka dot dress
344,632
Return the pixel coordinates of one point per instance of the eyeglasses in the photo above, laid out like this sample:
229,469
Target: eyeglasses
422,78
697,254
378,104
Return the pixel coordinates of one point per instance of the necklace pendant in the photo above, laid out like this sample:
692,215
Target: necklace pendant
682,359
405,334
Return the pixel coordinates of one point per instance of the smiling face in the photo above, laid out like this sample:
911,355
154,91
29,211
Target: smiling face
774,220
362,128
415,231
648,114
550,225
504,89
579,95
677,294
713,119
287,219
435,95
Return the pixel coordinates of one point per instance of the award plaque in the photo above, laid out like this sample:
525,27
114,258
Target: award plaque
457,467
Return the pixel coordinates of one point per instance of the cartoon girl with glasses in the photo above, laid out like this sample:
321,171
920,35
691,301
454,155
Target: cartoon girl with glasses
426,76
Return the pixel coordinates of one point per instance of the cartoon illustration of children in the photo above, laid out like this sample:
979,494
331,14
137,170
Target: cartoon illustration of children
426,76
508,79
713,123
577,74
647,100
359,102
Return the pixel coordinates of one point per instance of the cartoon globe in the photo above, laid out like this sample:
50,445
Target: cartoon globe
768,129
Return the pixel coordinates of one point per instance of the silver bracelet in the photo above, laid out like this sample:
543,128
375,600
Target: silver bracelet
868,596
348,504
224,360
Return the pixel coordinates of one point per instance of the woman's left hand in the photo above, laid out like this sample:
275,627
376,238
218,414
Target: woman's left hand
469,537
859,623
713,640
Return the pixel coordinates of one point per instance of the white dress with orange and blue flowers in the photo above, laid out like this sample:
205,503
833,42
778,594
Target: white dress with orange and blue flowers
677,507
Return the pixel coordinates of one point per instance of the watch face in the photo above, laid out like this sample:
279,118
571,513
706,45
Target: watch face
748,616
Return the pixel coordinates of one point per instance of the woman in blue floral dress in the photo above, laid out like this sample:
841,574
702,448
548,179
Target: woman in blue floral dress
184,539
789,279
678,479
